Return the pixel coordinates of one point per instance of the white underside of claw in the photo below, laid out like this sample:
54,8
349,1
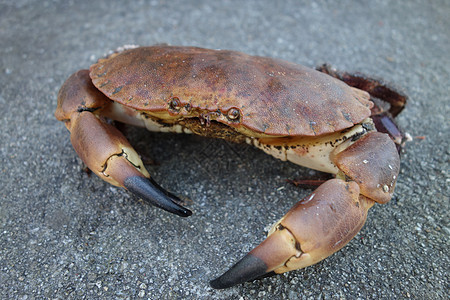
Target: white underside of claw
131,155
312,152
133,117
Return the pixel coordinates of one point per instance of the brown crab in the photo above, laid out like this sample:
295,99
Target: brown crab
289,111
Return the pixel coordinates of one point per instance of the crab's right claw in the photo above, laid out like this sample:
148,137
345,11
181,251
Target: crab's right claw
103,148
312,230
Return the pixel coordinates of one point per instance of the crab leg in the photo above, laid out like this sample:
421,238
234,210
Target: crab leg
389,102
330,217
103,148
377,89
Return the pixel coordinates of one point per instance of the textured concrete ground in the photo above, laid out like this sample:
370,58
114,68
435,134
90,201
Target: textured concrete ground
67,235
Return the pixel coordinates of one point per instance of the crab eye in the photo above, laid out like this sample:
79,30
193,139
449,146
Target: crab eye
233,114
175,103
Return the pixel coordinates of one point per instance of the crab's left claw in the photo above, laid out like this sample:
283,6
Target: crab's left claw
103,148
313,229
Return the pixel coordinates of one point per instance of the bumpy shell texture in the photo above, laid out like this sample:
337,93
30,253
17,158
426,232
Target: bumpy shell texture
264,95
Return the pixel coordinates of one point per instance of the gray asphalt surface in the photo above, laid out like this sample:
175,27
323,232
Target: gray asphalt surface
67,235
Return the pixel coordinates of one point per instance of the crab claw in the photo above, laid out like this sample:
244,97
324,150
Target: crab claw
312,230
103,148
149,190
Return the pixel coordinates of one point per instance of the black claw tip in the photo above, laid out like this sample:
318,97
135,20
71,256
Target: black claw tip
153,193
248,268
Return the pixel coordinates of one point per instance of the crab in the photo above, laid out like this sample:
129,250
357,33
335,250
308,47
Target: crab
339,123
